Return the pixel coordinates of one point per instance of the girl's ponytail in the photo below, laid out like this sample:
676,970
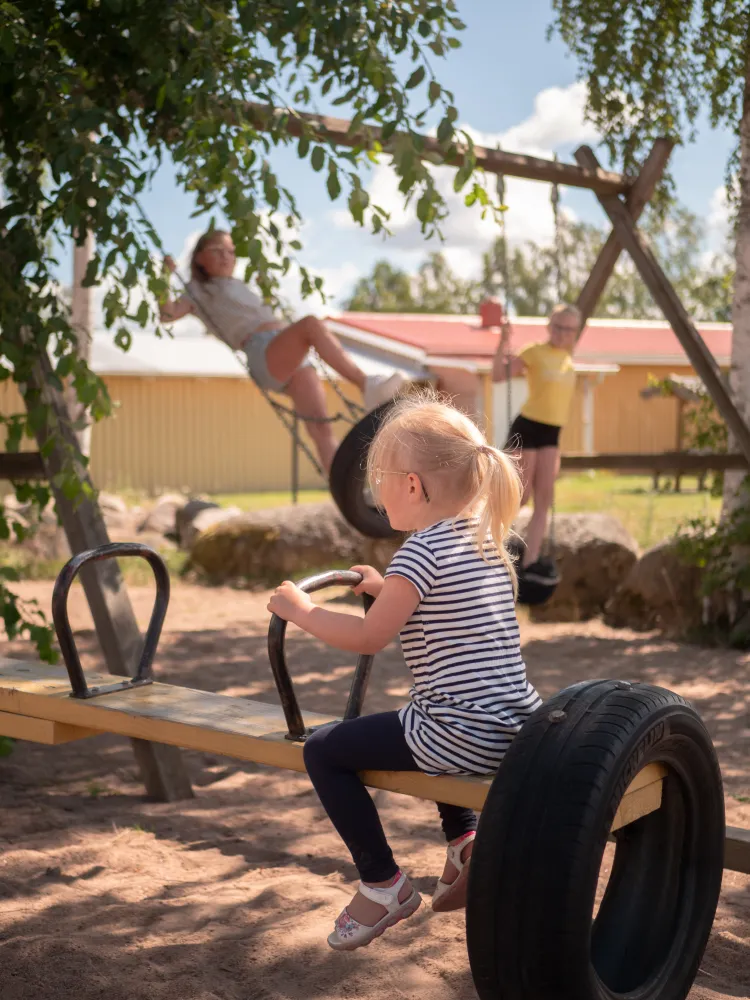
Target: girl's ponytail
498,498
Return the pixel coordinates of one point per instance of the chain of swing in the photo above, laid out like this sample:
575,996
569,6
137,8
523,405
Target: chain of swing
557,253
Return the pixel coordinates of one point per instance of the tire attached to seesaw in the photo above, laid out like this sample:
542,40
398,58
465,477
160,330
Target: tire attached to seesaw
348,479
530,924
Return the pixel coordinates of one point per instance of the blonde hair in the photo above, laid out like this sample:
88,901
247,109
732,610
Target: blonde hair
197,271
424,434
565,309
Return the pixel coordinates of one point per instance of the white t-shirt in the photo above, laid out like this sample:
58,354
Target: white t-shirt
231,311
462,645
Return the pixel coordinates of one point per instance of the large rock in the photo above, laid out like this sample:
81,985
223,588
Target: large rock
161,519
185,516
203,520
267,546
116,514
594,554
660,591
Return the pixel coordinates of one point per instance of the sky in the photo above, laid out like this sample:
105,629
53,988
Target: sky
512,86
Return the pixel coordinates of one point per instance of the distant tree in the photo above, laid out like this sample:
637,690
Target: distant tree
677,239
385,289
435,288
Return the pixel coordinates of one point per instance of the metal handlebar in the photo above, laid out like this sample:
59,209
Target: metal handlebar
277,656
63,583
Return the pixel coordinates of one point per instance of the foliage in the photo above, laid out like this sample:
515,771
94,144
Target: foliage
6,746
719,547
96,94
652,68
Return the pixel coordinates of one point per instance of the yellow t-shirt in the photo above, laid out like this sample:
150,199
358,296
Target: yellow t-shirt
551,379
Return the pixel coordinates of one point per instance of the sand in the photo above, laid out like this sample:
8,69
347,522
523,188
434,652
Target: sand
106,895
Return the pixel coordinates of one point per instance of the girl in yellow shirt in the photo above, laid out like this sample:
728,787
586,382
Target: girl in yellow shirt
535,433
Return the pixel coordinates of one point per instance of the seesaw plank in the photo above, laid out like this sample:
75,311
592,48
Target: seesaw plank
232,727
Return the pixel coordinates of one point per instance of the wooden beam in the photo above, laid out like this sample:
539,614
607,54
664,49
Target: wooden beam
116,627
493,161
737,850
668,301
21,465
23,727
676,461
638,197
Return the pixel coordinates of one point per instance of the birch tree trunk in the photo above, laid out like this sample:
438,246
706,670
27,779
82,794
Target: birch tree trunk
82,322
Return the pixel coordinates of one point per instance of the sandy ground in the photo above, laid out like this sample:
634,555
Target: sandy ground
230,896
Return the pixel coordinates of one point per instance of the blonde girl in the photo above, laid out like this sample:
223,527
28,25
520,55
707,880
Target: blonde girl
534,436
277,353
449,594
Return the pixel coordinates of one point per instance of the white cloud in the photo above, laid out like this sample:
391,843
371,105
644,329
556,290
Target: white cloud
557,121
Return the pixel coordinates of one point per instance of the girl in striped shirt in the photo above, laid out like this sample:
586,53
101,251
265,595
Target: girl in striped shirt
449,594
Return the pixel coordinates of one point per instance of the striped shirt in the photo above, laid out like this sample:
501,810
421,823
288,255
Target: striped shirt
462,645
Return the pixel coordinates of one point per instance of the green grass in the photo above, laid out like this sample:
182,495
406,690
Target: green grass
650,517
136,572
259,501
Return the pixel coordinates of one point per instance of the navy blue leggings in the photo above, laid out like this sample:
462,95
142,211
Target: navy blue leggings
334,754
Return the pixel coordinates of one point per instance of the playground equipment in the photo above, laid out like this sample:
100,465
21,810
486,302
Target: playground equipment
601,760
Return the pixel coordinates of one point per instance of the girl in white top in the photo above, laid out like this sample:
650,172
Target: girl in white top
277,353
449,593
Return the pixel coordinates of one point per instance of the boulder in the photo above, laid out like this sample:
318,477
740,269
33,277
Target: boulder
161,519
186,514
594,554
660,591
203,520
116,514
267,546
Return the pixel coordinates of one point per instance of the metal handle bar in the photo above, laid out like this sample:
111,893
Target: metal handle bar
68,648
277,656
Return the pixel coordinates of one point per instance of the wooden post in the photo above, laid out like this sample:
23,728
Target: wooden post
117,630
639,196
668,301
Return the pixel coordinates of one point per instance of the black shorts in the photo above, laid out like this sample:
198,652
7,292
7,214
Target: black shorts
526,435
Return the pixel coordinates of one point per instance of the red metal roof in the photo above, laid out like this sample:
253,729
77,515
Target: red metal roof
621,341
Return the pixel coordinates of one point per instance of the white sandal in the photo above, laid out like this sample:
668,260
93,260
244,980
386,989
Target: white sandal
452,896
349,934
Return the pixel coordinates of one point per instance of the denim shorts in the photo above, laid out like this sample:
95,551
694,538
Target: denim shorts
255,351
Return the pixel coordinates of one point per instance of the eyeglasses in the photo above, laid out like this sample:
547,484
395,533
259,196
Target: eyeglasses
379,473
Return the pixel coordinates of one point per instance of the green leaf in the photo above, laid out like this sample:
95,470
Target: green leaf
416,78
435,90
123,338
333,183
303,146
318,158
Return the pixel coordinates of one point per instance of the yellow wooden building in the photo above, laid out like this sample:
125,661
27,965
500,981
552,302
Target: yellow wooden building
188,418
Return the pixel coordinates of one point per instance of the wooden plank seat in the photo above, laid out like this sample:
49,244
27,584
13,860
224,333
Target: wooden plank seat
35,705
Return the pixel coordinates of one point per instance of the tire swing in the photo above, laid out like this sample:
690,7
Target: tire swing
538,582
532,927
348,479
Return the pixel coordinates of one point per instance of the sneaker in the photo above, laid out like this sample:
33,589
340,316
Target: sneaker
380,388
